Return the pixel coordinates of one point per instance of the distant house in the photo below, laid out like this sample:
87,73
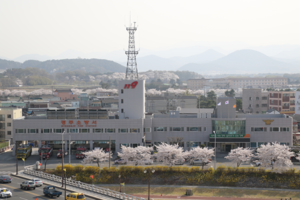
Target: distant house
65,94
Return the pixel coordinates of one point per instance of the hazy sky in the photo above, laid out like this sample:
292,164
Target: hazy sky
50,27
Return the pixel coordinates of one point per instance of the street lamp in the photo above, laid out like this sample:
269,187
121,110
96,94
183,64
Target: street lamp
109,148
149,171
120,181
215,149
62,157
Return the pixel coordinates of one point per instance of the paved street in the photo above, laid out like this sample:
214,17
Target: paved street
19,194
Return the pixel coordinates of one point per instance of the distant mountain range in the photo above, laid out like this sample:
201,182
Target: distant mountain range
242,61
88,65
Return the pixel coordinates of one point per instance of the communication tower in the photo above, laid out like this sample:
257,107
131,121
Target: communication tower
131,69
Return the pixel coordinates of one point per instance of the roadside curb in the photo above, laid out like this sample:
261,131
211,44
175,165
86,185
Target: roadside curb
19,176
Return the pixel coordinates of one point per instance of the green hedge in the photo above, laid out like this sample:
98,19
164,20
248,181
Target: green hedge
225,176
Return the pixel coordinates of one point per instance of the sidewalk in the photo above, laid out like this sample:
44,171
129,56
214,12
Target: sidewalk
70,188
204,187
198,197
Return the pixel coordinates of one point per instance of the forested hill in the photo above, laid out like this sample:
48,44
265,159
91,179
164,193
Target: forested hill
88,65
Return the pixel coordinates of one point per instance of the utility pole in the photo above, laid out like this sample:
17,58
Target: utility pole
17,164
109,153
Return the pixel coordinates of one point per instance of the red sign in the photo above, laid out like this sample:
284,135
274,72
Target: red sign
78,123
132,85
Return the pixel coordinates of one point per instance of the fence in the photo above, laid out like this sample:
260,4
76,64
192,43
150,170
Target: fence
92,188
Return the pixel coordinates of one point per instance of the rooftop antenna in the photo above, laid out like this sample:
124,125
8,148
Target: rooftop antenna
131,69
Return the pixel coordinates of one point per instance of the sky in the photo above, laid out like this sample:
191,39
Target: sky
50,27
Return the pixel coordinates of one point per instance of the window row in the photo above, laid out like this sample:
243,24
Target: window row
80,130
258,144
271,129
173,129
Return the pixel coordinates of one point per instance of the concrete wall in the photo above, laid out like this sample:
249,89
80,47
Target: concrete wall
133,97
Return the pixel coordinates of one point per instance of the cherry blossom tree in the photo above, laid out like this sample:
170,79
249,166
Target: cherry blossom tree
97,155
240,155
203,154
137,155
169,153
276,156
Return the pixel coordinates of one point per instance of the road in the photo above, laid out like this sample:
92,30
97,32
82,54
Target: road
19,194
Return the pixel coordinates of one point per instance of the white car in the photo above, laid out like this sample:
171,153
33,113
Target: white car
179,161
146,162
120,161
37,182
198,162
4,192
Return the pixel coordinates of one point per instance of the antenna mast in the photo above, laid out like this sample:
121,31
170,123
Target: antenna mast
131,69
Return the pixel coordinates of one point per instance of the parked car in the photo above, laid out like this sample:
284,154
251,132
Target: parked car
37,182
198,162
4,193
51,192
145,162
293,159
179,161
5,179
27,185
120,161
75,196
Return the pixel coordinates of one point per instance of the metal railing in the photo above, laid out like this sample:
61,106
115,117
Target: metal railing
29,170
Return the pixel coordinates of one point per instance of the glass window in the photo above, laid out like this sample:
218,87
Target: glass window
8,132
72,130
160,129
8,116
204,128
176,128
84,130
253,144
258,129
275,129
2,125
8,124
109,130
33,131
229,127
123,130
2,117
134,130
58,130
47,130
98,130
20,130
193,128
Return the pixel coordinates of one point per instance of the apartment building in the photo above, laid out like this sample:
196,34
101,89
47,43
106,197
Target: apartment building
261,82
234,83
282,101
196,84
7,115
255,101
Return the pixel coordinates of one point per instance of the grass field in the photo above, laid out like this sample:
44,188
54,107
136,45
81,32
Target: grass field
239,193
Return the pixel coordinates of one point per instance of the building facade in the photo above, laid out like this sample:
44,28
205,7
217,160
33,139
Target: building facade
65,94
155,104
234,83
282,101
7,115
255,101
133,124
